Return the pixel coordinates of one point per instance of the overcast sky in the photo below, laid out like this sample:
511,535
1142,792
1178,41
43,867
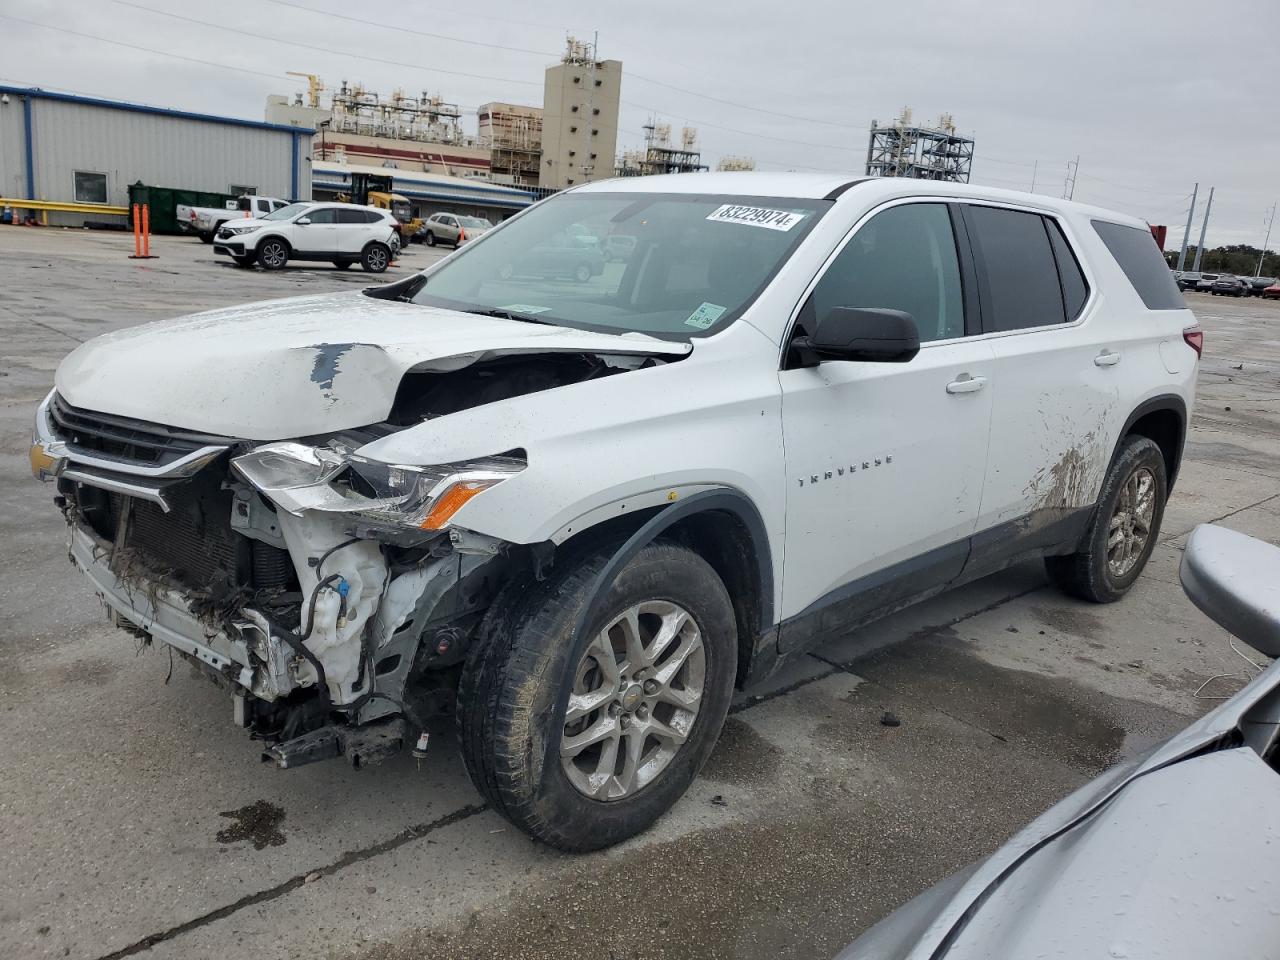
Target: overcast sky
1152,96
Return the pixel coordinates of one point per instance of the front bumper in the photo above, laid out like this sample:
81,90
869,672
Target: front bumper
232,248
244,652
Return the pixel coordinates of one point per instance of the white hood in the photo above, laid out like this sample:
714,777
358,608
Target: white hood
301,366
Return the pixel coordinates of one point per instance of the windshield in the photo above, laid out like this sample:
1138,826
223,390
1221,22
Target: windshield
689,265
285,212
401,210
475,222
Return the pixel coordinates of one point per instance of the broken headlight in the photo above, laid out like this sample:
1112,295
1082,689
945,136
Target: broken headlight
297,478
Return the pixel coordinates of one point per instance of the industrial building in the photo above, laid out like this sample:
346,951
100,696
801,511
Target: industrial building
427,193
905,149
514,135
86,151
421,133
660,155
580,100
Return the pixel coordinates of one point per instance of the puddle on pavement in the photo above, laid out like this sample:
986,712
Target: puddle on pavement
741,755
259,823
1053,715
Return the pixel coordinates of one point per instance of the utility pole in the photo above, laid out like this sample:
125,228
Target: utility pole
1069,185
1203,225
1186,234
1262,256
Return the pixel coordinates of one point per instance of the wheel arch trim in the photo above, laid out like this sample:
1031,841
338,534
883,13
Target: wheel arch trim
1167,401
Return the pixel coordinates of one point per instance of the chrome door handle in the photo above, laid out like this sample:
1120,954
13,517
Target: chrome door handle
966,384
1106,359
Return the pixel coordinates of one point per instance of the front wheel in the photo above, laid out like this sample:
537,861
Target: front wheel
583,741
1124,528
375,258
582,273
431,239
273,254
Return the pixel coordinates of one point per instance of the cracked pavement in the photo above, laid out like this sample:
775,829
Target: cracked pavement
137,821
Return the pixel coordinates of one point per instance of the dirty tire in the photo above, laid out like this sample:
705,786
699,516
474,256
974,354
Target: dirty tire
273,254
1087,573
375,258
515,684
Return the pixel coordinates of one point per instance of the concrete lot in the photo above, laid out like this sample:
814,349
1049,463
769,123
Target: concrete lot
135,819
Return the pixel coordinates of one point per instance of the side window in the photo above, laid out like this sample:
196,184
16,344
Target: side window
1139,257
1075,290
324,215
372,216
90,187
351,216
1019,284
901,259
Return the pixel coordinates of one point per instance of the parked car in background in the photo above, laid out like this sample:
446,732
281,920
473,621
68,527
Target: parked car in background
1206,282
1187,279
205,221
619,246
1272,292
1258,284
582,513
341,233
1173,856
451,228
1229,286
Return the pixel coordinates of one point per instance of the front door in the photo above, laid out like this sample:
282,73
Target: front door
884,461
320,236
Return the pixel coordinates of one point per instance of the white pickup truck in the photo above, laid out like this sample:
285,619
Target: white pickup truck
205,221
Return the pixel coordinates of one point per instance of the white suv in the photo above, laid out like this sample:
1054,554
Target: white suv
341,233
579,513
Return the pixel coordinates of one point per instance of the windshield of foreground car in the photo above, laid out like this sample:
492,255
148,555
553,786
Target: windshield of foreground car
287,212
689,266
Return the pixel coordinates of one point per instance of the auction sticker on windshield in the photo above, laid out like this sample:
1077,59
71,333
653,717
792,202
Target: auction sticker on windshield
705,315
756,216
524,308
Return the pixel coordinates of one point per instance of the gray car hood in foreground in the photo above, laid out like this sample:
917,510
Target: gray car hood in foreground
1176,856
302,366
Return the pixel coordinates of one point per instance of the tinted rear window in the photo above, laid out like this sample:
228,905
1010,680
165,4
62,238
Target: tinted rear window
1021,286
1139,257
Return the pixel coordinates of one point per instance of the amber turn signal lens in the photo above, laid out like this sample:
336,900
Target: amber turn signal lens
453,500
44,465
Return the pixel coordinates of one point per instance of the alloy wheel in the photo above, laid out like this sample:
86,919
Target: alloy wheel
1130,526
636,694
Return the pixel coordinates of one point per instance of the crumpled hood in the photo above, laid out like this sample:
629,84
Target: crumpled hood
301,366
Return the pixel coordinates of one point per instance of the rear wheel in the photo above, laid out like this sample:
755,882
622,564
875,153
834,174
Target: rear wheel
584,741
206,236
273,254
1124,528
375,258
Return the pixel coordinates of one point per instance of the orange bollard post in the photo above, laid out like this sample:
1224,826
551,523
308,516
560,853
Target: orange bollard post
142,232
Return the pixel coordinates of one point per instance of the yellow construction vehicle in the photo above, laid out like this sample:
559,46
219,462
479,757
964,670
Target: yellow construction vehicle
374,191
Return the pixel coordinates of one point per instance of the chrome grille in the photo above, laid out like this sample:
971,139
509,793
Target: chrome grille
123,439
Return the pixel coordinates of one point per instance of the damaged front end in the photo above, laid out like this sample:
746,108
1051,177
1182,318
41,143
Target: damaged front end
326,590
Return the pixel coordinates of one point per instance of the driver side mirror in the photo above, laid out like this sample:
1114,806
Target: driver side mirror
1232,578
860,333
302,221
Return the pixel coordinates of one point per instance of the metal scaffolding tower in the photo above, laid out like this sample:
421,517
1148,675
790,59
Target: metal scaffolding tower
660,155
903,149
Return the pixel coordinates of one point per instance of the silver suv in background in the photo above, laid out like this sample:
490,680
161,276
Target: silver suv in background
451,228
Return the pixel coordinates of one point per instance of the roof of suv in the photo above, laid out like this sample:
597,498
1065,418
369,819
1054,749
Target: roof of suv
817,186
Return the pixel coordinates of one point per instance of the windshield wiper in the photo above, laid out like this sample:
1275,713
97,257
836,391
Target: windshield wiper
511,315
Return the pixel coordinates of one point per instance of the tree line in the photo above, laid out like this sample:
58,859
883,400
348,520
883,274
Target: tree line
1239,259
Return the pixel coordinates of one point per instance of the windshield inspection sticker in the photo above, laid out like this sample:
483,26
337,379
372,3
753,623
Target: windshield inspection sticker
756,217
524,308
705,315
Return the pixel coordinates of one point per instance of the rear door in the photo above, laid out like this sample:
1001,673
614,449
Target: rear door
354,229
1055,403
884,461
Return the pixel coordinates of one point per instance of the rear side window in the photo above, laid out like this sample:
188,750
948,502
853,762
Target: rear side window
1018,271
901,259
1075,291
1139,257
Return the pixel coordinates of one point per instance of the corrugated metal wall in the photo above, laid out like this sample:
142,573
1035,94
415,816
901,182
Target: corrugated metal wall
160,150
